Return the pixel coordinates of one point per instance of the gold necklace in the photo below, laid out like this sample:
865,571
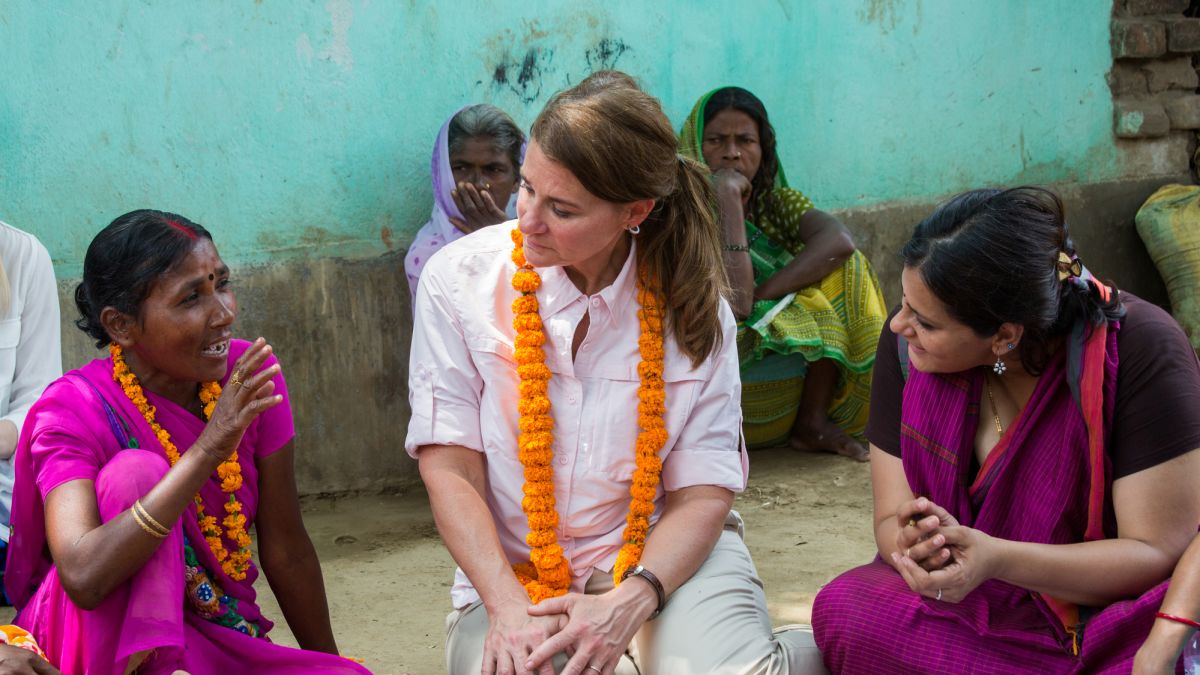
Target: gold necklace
995,412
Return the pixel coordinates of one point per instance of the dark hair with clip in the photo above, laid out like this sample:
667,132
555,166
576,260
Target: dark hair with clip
992,256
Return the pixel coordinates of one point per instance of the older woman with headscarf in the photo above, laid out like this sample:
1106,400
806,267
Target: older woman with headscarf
475,165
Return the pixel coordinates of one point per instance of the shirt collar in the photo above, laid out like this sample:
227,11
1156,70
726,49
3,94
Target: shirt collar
558,291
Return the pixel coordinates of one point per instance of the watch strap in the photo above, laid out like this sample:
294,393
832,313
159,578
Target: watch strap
648,577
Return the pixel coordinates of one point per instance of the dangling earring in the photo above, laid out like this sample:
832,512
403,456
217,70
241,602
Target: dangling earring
999,367
635,230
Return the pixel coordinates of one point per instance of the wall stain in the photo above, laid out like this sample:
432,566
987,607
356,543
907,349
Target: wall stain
605,54
528,82
385,234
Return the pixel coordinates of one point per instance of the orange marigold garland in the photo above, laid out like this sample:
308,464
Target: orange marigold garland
234,564
547,574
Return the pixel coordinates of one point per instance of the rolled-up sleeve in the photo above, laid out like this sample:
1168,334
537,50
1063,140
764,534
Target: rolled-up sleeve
710,449
444,385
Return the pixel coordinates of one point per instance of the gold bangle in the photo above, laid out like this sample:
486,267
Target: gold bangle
145,515
146,528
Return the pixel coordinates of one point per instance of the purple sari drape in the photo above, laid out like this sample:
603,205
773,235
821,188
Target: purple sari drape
70,436
1047,481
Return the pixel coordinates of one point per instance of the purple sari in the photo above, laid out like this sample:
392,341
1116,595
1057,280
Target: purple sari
1048,480
70,435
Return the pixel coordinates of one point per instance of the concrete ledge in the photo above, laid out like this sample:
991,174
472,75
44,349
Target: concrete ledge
1100,216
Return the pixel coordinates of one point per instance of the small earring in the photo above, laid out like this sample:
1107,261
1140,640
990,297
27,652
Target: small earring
1011,346
999,367
635,230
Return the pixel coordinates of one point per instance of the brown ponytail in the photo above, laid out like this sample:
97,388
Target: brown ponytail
618,143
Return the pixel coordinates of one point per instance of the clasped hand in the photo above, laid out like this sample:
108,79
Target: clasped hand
936,556
593,630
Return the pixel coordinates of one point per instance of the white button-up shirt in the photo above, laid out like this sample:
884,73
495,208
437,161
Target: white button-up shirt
463,391
30,342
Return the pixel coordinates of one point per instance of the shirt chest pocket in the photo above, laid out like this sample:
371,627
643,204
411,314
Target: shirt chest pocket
612,432
10,336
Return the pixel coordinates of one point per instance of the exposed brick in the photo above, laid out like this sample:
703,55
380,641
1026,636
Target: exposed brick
1183,35
1138,38
1170,74
1127,79
1145,7
1140,119
1184,112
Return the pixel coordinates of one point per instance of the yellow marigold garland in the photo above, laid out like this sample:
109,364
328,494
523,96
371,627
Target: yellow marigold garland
234,564
547,574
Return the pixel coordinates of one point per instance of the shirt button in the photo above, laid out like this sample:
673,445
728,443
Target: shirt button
571,398
595,302
562,460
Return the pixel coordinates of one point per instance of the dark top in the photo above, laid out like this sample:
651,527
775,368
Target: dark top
1157,413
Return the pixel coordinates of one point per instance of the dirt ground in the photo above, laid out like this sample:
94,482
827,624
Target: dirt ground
808,517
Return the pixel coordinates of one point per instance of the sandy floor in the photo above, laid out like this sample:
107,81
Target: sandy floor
808,517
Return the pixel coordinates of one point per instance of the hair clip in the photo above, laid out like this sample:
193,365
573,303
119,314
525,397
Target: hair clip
1068,266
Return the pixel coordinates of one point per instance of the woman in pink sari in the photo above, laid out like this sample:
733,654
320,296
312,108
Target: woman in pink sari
133,500
1033,458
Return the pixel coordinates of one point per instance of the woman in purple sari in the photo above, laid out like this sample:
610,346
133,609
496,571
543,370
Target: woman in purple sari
138,477
1032,457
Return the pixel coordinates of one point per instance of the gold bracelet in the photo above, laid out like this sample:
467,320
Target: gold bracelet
141,509
146,528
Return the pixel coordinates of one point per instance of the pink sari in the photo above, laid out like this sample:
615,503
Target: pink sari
72,435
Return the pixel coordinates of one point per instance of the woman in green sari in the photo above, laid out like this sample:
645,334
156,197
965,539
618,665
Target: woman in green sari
809,303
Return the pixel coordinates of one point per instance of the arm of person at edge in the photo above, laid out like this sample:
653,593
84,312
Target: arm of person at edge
92,557
456,479
287,556
1161,650
600,627
17,661
1157,510
39,348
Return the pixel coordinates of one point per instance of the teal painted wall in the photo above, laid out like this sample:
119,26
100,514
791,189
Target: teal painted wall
299,129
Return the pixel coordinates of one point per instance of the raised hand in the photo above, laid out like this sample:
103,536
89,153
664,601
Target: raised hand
248,393
477,206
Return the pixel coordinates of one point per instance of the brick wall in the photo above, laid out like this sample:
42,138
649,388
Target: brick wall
1154,80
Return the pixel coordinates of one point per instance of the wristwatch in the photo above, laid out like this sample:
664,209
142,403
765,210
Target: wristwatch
648,576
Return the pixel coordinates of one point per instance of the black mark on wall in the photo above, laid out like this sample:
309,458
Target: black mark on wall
529,71
605,54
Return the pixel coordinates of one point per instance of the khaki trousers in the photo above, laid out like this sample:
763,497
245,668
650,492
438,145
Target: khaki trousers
717,622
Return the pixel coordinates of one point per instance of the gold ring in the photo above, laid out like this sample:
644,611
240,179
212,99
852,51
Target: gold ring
236,378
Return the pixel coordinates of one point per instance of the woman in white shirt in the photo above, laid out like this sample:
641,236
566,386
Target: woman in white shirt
30,343
550,482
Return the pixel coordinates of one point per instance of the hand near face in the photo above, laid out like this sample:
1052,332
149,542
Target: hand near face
478,208
731,183
248,393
